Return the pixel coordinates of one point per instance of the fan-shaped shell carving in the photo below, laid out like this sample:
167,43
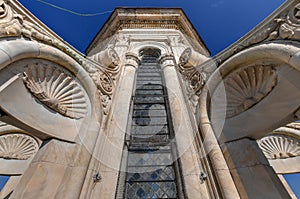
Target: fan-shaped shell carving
56,90
17,146
277,147
247,87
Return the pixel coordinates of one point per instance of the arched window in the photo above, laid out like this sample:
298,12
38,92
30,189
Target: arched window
151,168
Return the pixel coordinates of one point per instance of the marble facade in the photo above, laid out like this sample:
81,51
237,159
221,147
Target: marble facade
65,116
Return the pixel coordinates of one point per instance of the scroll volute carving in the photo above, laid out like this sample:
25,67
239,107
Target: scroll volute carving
107,58
105,74
195,78
190,58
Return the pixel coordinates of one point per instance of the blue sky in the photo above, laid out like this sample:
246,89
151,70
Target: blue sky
219,22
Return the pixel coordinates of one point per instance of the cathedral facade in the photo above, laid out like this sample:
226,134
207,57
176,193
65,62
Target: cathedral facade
147,112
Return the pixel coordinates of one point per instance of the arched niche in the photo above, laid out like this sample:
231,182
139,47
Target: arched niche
46,92
254,92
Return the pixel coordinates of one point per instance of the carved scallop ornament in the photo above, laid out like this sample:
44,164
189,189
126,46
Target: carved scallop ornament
246,87
56,90
279,146
17,146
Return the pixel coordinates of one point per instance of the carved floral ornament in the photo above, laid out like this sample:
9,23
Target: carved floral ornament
56,90
244,88
279,146
17,146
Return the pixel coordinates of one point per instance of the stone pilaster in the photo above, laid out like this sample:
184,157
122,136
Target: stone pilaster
252,174
110,154
184,134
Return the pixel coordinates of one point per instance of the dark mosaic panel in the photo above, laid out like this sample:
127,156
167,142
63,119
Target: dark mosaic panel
149,158
139,174
151,190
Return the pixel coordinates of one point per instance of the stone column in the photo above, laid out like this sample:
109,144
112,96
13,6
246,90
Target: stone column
112,148
184,134
252,174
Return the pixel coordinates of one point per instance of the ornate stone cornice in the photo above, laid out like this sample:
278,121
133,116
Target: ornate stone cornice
149,18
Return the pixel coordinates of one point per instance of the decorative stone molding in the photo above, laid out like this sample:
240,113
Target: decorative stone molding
288,27
190,58
56,90
193,76
105,74
178,41
167,60
132,60
103,70
282,24
279,146
248,86
294,125
13,24
17,146
108,58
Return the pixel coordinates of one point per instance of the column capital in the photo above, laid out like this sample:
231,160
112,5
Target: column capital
132,59
167,60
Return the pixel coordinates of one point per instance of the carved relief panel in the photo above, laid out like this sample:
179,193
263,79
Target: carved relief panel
53,97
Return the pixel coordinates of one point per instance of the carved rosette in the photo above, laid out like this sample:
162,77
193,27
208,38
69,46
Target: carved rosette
56,90
17,146
247,86
279,146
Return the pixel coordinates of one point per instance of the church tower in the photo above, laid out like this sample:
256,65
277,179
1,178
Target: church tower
146,112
